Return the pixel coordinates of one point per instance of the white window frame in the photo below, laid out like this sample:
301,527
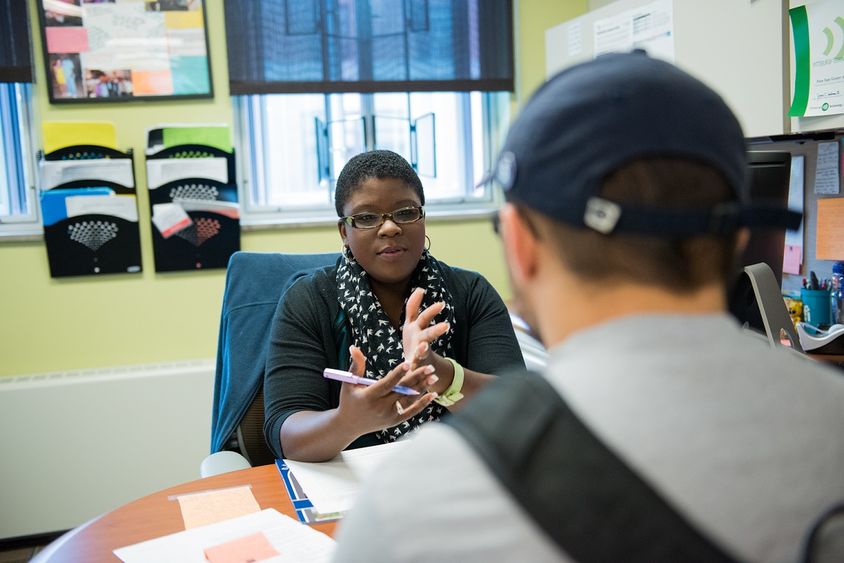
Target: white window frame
27,226
254,217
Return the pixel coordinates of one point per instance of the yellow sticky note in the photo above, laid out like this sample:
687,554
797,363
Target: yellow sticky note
61,134
199,509
247,549
183,20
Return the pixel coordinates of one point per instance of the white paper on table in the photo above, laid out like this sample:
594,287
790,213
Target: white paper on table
293,541
57,172
332,486
163,170
123,206
826,174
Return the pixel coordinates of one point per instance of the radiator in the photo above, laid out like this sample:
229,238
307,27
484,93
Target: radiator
75,445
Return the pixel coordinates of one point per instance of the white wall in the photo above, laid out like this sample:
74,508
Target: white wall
76,445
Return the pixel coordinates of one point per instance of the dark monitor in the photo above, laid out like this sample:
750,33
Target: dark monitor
770,175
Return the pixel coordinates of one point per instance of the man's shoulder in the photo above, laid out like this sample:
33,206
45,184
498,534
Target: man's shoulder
787,363
458,510
442,456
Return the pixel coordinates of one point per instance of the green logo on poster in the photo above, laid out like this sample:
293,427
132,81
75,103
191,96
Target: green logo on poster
830,39
825,106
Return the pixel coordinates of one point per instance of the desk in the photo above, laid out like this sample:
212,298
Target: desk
154,515
834,359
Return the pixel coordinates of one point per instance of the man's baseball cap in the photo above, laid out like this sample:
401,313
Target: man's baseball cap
593,118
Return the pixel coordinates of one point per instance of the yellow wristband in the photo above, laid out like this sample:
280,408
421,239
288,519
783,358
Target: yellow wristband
453,394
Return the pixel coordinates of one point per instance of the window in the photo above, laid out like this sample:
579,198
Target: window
318,81
18,210
282,46
296,145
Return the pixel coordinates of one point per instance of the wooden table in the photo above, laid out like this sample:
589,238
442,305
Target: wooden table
155,515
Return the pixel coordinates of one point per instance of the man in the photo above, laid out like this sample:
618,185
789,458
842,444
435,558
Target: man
666,432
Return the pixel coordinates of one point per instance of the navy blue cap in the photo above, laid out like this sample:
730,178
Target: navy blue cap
593,118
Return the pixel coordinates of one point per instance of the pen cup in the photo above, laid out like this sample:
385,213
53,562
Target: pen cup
817,310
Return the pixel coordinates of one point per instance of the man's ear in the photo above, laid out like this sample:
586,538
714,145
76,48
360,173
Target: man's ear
742,239
520,245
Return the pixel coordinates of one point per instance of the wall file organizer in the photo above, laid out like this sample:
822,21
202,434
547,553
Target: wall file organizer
89,211
194,207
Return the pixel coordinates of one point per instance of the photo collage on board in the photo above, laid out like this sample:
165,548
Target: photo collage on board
120,49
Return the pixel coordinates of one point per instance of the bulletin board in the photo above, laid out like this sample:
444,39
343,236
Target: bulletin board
738,48
812,208
125,50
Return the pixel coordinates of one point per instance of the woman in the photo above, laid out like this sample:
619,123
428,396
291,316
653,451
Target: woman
387,311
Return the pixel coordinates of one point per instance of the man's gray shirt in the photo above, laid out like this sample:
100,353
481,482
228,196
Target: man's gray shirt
747,442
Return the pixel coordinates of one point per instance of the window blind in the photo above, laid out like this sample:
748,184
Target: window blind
15,57
325,46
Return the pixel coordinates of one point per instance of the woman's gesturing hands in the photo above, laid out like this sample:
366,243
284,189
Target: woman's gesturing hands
377,406
418,333
369,408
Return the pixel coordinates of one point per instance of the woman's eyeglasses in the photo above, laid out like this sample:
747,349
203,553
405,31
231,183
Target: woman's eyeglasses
374,220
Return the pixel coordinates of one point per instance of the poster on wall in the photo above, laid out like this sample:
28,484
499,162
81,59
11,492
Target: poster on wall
649,27
818,33
124,50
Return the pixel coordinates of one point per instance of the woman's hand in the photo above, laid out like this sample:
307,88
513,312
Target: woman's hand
417,332
368,408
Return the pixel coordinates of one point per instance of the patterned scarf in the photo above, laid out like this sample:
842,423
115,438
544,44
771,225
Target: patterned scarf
373,333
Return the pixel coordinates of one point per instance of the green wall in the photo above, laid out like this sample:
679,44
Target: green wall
50,325
533,18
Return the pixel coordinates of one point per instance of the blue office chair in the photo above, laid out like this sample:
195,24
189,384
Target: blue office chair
254,284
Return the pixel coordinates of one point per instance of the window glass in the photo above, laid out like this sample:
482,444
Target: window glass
288,125
18,212
297,144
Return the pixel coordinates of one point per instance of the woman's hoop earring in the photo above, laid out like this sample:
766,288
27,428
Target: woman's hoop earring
428,246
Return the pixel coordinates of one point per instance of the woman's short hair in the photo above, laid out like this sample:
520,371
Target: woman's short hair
374,164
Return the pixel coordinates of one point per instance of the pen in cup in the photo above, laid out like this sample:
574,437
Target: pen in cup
348,377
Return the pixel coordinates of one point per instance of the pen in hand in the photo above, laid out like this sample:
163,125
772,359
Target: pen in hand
348,377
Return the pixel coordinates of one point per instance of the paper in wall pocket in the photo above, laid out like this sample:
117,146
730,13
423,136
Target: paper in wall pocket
170,218
61,172
226,208
54,202
122,206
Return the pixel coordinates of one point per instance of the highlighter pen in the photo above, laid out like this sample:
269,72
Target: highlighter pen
348,377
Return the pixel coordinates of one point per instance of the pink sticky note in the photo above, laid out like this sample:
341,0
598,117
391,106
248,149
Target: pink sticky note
67,39
242,550
791,260
216,505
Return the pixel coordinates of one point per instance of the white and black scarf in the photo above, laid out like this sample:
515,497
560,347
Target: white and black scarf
376,337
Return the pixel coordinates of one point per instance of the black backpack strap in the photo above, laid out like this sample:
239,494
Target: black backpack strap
808,551
577,490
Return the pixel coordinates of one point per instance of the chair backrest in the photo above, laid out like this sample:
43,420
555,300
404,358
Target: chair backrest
254,284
